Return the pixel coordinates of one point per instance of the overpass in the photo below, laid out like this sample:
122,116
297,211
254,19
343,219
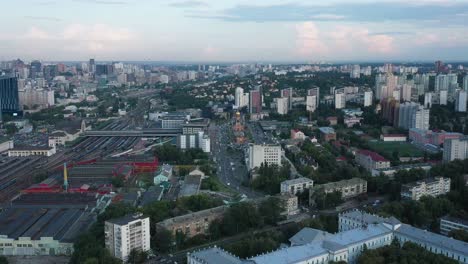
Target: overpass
155,132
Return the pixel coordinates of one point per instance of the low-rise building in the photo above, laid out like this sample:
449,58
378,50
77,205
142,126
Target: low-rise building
131,232
430,187
450,223
327,133
290,204
190,186
358,231
296,186
32,151
371,160
193,224
263,154
348,188
393,137
390,171
163,174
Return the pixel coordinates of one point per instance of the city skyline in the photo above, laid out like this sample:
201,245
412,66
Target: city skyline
231,31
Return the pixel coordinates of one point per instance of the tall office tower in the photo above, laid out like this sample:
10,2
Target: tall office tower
367,98
92,66
420,90
413,115
396,94
428,100
441,82
455,149
282,105
9,98
122,235
406,92
340,99
255,102
355,72
460,101
288,93
36,69
443,97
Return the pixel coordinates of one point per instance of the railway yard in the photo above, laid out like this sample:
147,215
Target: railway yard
18,173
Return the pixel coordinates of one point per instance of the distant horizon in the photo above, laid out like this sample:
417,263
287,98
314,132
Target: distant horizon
179,62
235,30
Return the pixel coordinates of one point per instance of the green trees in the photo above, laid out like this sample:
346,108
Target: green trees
3,260
327,200
170,153
270,178
459,234
271,210
409,253
256,244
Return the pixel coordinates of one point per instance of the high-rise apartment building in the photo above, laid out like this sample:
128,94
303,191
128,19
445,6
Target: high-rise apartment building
355,72
255,102
9,99
443,95
368,98
427,100
456,148
288,93
465,83
282,105
413,115
131,232
340,99
241,99
460,101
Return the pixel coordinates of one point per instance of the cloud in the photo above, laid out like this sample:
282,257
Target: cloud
82,38
103,2
379,11
44,18
340,41
392,33
37,34
188,4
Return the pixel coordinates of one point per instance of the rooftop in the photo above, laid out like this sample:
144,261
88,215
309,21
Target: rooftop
191,185
455,220
373,155
291,254
327,130
297,181
308,235
425,181
436,239
216,255
343,183
193,216
127,219
61,224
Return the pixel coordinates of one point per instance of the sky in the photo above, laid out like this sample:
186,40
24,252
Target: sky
234,30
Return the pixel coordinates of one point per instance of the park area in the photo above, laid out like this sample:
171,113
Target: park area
388,149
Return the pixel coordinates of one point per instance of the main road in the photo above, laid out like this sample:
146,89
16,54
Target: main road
231,169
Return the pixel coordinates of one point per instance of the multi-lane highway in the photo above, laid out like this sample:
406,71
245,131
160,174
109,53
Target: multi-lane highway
231,169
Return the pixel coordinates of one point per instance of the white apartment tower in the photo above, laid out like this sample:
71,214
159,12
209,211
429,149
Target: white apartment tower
282,105
367,98
340,99
456,149
131,232
460,101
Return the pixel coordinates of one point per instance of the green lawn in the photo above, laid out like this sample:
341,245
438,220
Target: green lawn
404,149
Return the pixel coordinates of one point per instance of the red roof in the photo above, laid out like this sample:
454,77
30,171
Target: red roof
374,156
